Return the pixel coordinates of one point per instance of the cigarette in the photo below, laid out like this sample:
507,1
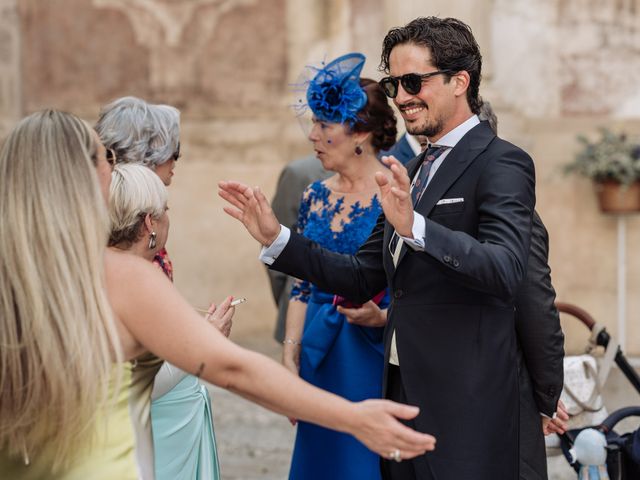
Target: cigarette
234,303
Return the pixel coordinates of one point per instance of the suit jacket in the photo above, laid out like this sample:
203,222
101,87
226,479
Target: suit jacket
541,342
453,303
293,180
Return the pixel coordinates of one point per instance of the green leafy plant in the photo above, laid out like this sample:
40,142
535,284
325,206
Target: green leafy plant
614,157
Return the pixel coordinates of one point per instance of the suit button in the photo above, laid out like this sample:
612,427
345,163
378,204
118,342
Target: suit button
456,263
447,259
398,294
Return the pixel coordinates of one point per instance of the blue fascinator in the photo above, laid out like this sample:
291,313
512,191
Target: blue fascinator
335,95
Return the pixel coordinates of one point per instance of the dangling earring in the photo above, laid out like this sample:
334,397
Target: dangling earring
358,150
152,240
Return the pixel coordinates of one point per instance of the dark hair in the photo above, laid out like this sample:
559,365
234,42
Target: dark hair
376,117
451,45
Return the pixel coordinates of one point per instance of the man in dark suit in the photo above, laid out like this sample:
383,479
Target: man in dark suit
541,348
453,254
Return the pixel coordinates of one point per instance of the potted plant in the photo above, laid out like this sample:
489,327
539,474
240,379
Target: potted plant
613,163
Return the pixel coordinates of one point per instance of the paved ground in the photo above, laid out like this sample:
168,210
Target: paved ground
254,443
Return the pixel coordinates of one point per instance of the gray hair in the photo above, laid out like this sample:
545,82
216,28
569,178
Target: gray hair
135,192
487,113
139,132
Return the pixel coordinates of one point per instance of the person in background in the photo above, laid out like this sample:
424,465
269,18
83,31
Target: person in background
406,148
293,180
540,348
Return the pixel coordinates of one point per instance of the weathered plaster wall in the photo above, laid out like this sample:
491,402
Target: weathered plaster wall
552,69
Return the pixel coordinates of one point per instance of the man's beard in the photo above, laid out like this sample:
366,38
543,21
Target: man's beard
429,130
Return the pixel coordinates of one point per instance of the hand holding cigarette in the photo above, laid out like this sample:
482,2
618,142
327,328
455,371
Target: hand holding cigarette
222,315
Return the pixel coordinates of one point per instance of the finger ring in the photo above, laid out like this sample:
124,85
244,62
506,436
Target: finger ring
395,455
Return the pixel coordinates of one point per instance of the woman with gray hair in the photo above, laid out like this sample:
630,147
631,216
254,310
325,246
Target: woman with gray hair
144,134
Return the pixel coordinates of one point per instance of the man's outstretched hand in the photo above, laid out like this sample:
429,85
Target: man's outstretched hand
251,207
395,197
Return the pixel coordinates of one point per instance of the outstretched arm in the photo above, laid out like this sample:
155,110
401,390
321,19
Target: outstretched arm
159,319
357,277
252,208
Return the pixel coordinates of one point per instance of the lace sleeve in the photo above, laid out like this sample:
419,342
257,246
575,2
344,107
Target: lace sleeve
303,211
301,289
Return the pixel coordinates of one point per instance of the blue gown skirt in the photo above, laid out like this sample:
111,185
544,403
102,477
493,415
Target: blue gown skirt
347,360
183,438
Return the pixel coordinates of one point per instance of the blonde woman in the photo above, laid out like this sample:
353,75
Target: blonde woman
184,444
62,337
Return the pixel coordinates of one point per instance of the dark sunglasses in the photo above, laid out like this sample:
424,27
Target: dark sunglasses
411,82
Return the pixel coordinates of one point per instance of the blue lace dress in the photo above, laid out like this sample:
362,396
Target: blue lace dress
337,356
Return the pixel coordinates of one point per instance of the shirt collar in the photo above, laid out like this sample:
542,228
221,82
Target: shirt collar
452,138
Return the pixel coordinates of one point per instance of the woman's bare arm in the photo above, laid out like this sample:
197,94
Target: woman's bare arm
162,322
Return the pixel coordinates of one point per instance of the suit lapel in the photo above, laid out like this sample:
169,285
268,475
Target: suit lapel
454,165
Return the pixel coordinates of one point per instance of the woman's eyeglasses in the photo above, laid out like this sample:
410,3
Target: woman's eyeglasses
111,157
176,155
411,82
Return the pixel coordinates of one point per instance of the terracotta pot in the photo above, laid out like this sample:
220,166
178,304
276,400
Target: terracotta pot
616,198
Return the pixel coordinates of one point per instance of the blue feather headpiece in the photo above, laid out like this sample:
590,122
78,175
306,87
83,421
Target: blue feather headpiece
335,95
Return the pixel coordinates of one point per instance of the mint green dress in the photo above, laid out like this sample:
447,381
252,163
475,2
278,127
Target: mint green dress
182,427
184,442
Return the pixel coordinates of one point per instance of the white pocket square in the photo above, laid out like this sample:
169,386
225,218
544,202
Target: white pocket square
447,201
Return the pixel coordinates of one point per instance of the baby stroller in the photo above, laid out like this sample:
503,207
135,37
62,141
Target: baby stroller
596,451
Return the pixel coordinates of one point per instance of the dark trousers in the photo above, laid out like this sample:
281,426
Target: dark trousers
392,470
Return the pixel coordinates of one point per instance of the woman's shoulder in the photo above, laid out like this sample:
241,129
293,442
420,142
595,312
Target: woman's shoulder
120,264
316,191
127,275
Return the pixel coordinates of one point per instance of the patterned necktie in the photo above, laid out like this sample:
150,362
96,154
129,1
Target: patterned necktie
420,183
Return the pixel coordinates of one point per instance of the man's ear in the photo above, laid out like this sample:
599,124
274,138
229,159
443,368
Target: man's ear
461,81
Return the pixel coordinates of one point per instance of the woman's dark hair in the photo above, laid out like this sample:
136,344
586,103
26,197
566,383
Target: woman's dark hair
451,45
376,117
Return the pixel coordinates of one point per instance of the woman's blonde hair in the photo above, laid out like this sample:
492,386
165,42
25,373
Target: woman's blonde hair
135,192
58,339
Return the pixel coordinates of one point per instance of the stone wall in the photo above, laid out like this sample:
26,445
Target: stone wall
552,69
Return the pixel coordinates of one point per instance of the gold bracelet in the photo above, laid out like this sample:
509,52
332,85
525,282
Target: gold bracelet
291,342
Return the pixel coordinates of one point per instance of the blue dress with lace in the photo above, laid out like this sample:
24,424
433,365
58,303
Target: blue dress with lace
336,356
